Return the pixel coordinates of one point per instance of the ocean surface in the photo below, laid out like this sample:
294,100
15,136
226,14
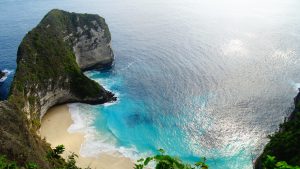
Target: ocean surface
196,77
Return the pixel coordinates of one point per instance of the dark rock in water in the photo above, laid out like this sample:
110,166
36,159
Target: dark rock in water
2,74
50,61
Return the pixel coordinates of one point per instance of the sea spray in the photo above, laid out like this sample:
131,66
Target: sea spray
95,142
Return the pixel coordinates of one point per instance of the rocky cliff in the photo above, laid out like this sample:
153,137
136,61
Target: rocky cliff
50,60
284,144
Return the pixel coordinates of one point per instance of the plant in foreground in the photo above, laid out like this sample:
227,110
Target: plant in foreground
271,163
164,161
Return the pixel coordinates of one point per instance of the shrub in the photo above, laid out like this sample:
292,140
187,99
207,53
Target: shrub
271,163
6,164
56,152
168,162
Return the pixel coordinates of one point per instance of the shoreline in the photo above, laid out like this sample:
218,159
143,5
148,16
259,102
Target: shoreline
54,126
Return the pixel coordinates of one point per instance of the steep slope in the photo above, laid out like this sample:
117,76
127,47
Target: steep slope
284,144
50,61
17,141
47,72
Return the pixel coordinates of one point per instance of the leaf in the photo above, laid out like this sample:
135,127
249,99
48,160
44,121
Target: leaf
140,160
148,159
162,151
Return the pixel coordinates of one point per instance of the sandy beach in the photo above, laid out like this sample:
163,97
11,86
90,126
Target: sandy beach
54,128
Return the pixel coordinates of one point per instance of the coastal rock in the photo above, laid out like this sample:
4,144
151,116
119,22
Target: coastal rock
284,144
92,48
50,60
2,74
47,72
89,37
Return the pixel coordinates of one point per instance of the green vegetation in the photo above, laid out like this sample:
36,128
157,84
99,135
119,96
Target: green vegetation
285,144
45,63
164,161
53,156
271,163
56,152
6,164
45,59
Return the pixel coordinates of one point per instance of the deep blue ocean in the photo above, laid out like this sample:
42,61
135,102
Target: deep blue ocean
197,77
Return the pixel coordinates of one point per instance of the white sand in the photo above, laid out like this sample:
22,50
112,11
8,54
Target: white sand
54,128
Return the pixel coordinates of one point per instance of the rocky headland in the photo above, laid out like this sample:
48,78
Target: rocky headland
50,61
284,144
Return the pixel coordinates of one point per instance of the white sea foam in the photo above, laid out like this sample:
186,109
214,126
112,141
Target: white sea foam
80,123
107,87
96,143
128,66
106,83
297,86
8,71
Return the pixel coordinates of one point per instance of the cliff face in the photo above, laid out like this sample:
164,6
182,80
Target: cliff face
87,34
50,61
17,141
284,144
91,44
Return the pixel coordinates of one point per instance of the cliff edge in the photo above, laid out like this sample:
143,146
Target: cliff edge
284,144
50,60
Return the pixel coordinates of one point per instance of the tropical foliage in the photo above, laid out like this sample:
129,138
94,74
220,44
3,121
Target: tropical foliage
271,163
6,164
164,161
54,156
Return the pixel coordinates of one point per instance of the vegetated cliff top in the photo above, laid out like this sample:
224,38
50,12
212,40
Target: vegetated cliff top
48,74
45,57
284,145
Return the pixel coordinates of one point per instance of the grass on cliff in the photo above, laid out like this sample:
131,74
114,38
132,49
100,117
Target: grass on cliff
6,164
285,144
53,157
45,60
164,161
270,162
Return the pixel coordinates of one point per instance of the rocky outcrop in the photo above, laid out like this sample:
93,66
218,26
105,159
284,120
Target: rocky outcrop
2,74
92,46
89,37
284,144
50,61
47,72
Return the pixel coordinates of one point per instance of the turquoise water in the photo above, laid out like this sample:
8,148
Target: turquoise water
197,78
